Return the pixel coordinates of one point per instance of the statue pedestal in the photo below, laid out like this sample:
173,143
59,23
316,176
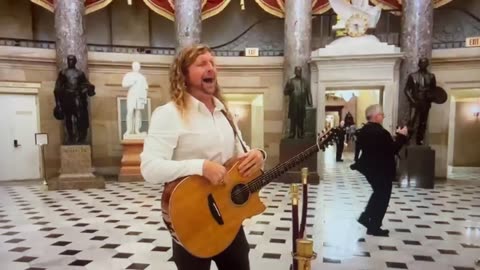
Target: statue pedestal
420,166
76,170
291,147
130,170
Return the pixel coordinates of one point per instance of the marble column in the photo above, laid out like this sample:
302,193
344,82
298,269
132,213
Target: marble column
298,37
188,22
70,33
416,42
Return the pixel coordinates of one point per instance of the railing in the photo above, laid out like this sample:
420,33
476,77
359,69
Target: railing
44,44
326,35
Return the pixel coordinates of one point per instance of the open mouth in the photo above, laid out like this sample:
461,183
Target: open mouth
208,80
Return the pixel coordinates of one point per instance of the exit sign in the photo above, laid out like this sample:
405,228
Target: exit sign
251,51
472,42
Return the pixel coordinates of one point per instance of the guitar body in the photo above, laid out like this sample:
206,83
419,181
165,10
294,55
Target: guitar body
205,218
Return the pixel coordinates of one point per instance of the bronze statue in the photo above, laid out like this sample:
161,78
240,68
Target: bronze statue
72,90
298,90
420,91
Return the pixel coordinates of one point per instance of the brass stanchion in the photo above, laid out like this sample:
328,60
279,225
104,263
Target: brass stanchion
302,250
305,254
305,202
294,197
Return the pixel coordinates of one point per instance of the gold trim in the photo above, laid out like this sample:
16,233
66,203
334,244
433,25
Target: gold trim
269,10
439,3
381,5
97,6
44,5
159,10
281,4
215,11
324,9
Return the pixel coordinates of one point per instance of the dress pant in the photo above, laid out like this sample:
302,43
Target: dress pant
340,147
235,257
379,200
357,151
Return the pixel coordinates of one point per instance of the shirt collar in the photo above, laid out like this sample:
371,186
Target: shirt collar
197,105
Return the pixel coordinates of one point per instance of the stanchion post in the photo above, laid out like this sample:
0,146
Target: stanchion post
304,202
294,198
305,254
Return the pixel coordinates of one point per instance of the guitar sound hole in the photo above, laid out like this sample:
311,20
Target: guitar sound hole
240,194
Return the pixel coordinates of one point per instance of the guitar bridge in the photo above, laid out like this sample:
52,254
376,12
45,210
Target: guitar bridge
212,205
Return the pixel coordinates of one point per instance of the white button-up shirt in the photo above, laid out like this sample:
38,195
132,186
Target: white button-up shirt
176,148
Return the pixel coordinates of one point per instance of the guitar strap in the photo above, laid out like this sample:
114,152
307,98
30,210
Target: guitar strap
234,130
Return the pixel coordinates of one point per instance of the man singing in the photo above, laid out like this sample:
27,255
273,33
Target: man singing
191,135
377,164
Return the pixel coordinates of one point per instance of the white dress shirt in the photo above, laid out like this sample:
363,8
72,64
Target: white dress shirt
177,148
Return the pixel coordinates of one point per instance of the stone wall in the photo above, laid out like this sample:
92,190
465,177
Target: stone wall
106,70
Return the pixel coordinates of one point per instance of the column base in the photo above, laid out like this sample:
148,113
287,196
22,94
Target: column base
77,182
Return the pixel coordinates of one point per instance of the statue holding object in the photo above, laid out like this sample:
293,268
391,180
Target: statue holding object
71,92
421,90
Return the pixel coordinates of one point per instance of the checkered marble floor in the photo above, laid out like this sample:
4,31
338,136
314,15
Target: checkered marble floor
120,227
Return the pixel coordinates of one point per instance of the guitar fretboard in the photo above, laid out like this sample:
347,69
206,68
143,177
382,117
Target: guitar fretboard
280,169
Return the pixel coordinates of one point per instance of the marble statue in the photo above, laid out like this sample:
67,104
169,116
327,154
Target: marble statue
298,90
71,92
136,100
420,90
357,9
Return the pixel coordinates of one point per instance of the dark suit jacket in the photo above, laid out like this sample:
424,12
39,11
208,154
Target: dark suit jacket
378,151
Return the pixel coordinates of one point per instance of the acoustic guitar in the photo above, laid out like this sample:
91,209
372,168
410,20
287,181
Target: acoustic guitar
205,218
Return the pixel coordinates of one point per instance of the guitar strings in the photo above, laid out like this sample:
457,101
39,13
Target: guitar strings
276,169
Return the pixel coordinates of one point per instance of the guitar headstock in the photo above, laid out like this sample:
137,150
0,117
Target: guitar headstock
326,138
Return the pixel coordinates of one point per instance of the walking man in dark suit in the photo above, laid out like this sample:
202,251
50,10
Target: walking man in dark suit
340,141
377,164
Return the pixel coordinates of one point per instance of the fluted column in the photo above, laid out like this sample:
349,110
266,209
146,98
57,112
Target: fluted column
298,37
416,42
188,22
70,33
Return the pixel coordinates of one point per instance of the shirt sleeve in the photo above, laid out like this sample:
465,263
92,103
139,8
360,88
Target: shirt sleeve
157,165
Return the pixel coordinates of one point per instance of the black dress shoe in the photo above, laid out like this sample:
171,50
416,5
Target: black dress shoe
378,232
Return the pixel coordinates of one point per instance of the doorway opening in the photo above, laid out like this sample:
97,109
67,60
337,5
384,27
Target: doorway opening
463,130
348,105
248,113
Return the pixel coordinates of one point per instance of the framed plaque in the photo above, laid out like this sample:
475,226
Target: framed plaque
41,138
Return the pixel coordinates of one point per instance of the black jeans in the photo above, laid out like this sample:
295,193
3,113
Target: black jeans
378,202
235,257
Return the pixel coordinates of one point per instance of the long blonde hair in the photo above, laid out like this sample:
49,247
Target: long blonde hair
179,73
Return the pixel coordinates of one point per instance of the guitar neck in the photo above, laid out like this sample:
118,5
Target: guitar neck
280,169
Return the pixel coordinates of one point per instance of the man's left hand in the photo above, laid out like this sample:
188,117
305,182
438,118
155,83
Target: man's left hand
252,162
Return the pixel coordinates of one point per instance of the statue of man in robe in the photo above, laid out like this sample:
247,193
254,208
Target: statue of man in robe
136,99
298,90
71,92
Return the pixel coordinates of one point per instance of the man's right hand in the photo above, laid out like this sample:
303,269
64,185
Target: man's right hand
403,131
214,172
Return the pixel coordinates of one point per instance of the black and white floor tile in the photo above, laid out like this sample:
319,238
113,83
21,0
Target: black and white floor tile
121,227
